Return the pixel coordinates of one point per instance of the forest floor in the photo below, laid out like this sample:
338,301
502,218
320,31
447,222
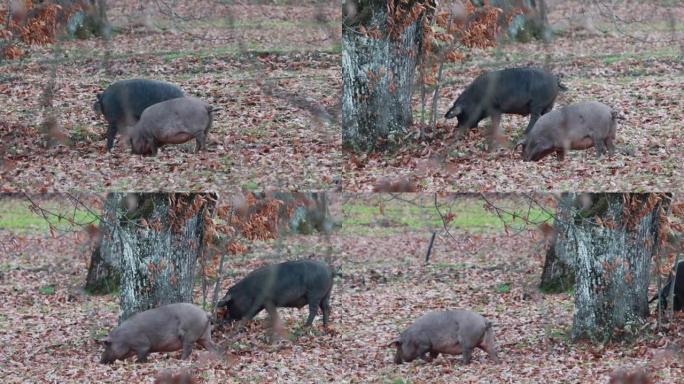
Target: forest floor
634,67
256,69
48,326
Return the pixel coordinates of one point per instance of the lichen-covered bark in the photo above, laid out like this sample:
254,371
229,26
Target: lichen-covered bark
378,75
159,248
104,271
612,267
559,264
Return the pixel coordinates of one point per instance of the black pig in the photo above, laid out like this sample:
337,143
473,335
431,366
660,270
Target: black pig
678,294
288,284
520,91
123,102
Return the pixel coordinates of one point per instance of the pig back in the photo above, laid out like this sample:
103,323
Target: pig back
437,329
175,121
129,98
166,320
589,117
286,284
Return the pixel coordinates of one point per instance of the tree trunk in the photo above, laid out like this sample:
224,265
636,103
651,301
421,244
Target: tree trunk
304,212
377,72
532,23
89,20
104,271
559,264
159,237
616,236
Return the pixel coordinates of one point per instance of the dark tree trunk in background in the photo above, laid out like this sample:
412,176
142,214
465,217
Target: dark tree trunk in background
377,74
104,271
559,264
616,236
91,20
159,237
532,23
310,212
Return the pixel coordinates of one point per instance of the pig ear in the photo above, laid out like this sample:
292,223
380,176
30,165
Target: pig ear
395,344
457,110
520,143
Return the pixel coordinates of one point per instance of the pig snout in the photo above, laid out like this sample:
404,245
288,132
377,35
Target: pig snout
397,357
106,359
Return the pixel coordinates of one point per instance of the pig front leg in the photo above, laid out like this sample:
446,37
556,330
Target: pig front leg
422,350
272,313
560,154
460,132
142,352
467,355
533,120
494,132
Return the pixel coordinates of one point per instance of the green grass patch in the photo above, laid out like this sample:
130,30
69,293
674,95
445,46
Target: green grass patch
16,215
397,381
279,25
612,59
450,266
250,186
502,288
468,214
47,290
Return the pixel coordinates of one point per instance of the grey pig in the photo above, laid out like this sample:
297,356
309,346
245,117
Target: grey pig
576,126
164,329
449,332
173,121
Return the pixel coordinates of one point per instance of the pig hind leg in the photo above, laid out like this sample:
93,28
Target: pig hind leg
325,308
600,146
201,140
205,340
489,345
610,140
111,133
313,310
